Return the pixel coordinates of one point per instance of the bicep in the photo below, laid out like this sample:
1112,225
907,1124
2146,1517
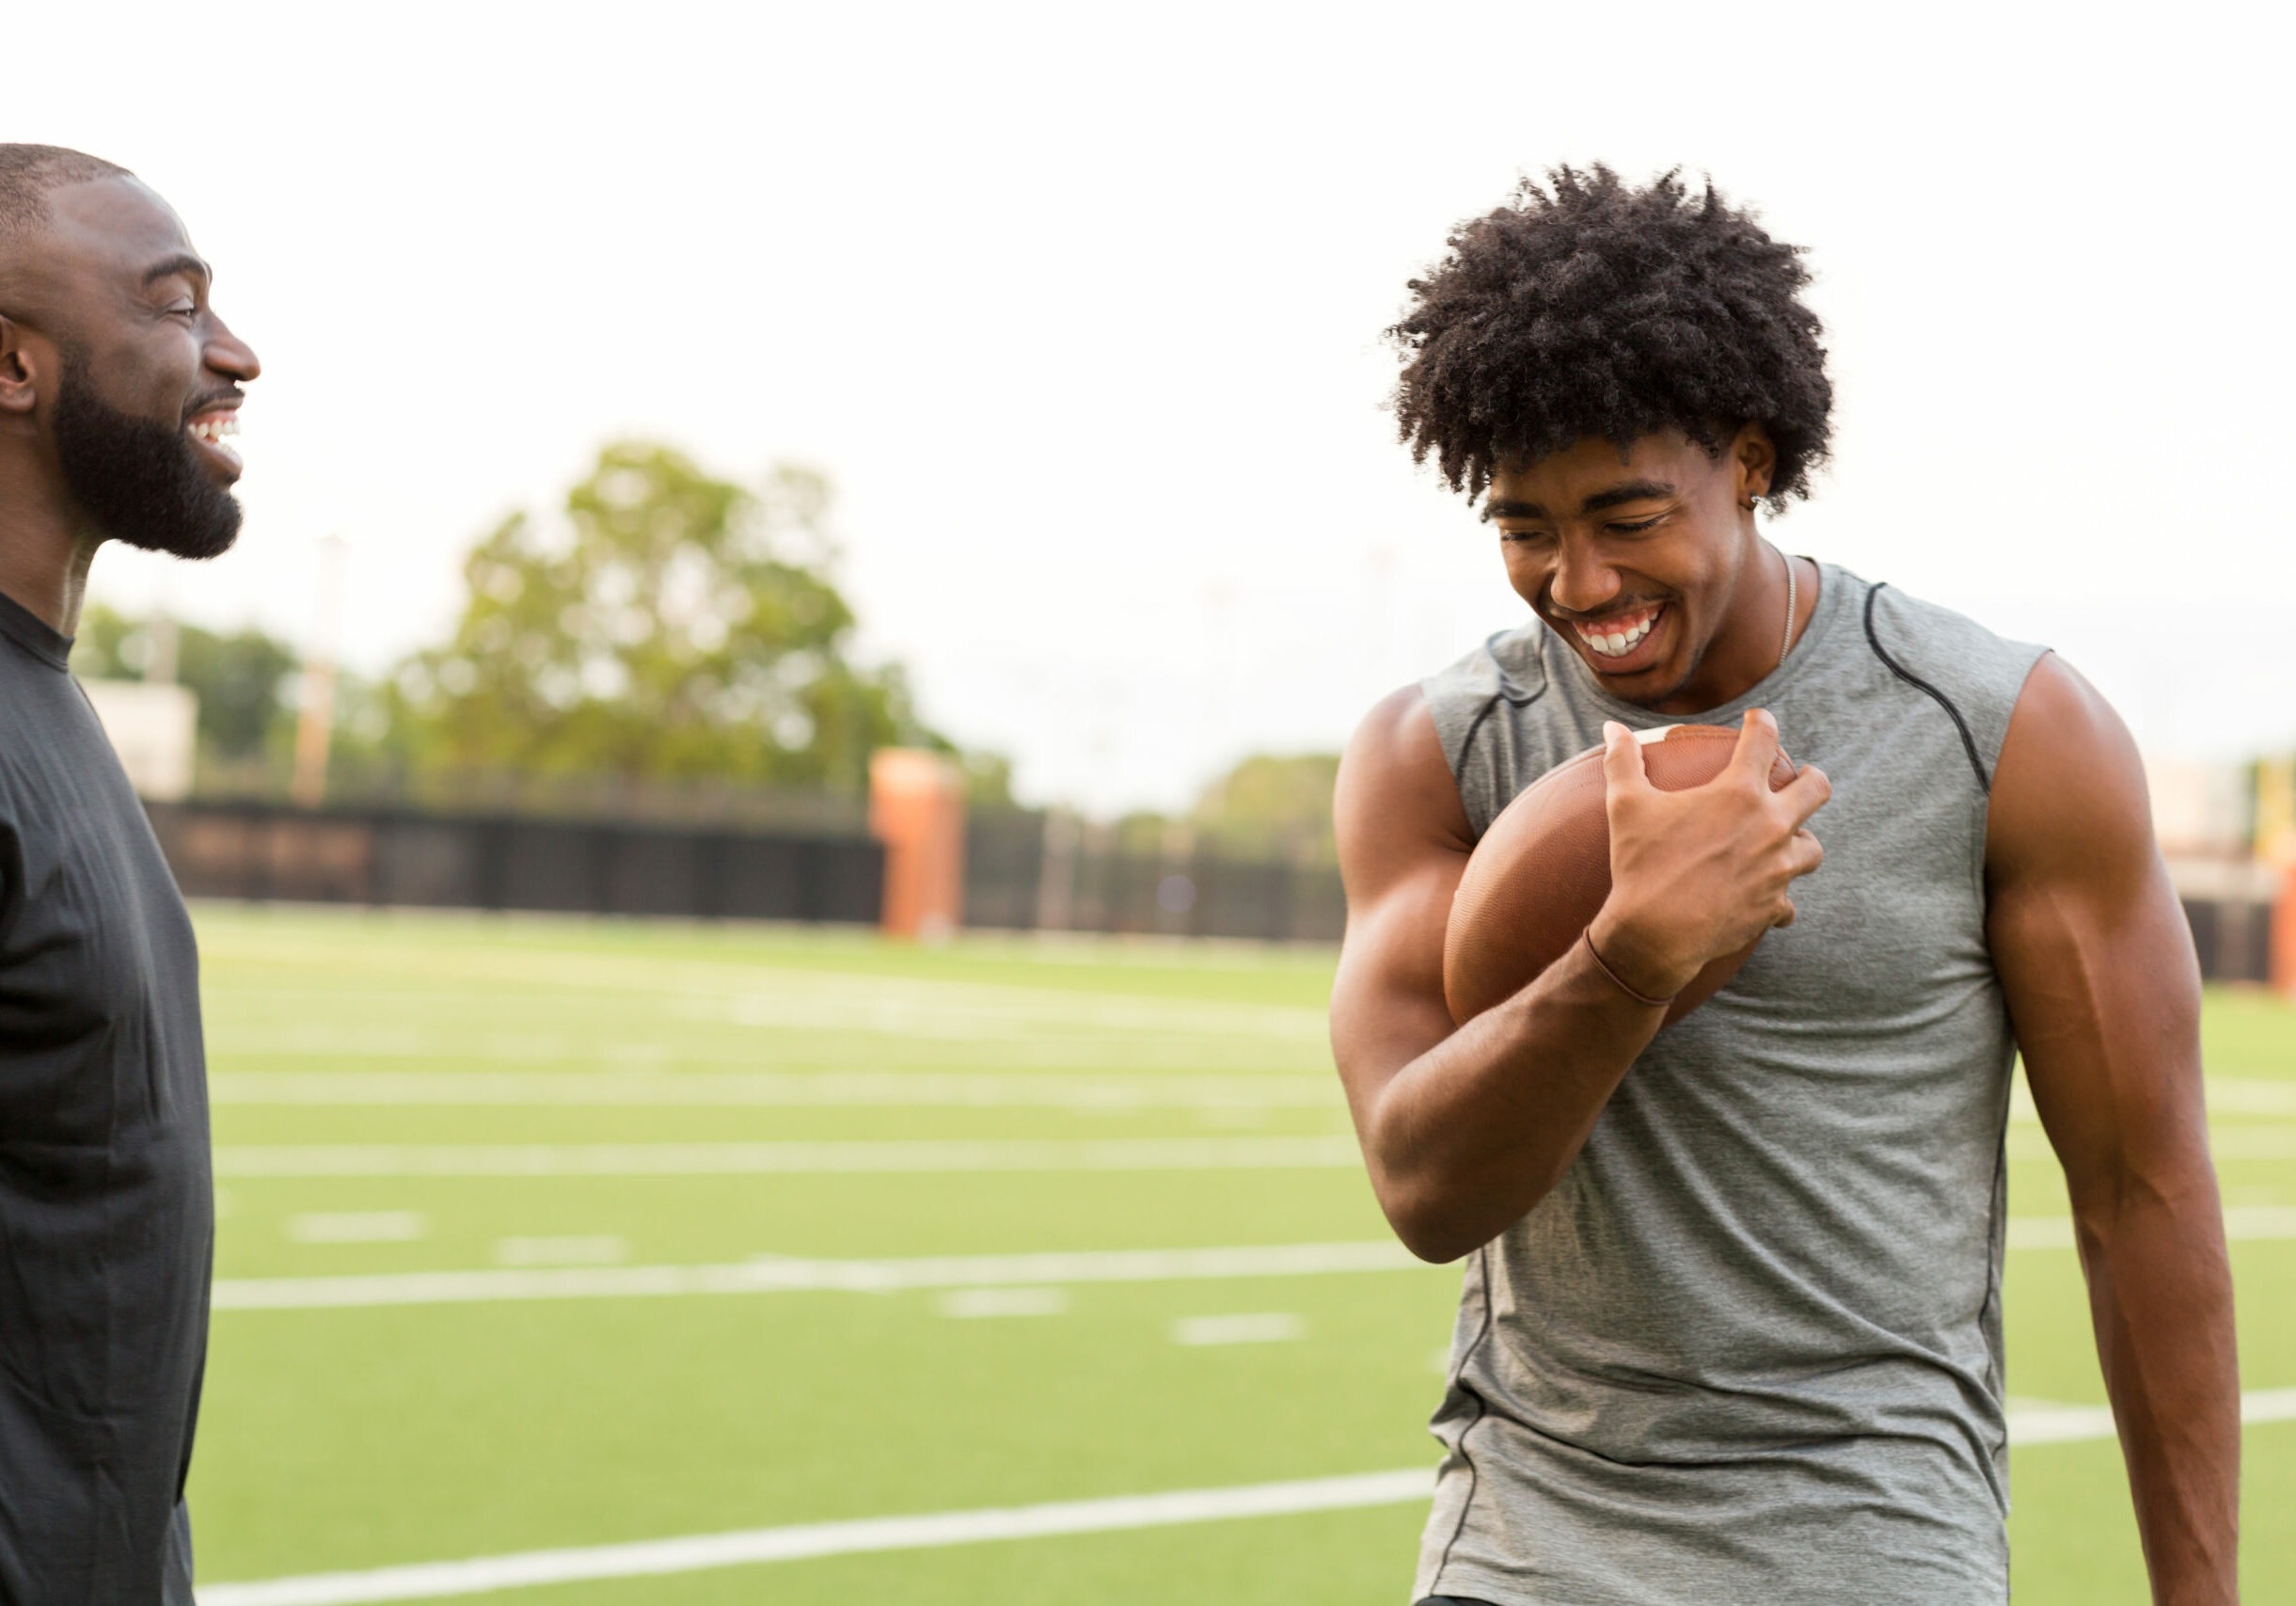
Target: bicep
2095,957
1403,841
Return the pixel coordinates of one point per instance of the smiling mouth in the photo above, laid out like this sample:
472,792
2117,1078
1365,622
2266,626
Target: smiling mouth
1620,634
215,431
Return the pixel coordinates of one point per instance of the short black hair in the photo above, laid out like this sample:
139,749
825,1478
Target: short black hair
1590,307
28,172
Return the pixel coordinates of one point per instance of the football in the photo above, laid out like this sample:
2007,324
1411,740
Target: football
1540,874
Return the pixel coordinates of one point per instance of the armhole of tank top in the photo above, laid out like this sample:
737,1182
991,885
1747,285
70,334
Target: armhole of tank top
1969,738
1467,742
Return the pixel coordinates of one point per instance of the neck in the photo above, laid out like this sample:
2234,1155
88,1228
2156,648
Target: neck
45,551
1745,651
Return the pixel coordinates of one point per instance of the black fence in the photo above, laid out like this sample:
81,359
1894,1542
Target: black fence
1030,872
260,852
2233,937
1024,871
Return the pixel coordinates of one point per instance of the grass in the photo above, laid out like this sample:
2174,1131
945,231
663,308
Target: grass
358,1438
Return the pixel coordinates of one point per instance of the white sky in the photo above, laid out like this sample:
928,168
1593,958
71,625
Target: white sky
1080,307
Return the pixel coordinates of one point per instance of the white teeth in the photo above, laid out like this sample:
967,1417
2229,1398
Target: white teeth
1616,643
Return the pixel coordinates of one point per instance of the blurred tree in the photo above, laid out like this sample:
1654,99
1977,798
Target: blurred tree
679,626
242,679
1272,803
989,781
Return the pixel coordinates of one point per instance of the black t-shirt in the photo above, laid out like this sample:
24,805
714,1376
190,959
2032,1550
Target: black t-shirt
107,1198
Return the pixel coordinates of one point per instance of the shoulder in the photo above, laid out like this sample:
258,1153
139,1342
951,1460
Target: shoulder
1396,792
2069,797
1973,674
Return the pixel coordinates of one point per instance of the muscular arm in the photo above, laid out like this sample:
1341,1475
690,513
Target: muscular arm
1464,1129
2098,965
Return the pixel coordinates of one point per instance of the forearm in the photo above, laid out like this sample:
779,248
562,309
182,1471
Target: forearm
2160,1295
1468,1136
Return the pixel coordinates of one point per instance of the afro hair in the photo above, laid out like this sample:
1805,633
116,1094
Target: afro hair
1589,308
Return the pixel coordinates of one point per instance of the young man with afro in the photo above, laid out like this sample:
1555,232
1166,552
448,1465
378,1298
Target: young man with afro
1731,1324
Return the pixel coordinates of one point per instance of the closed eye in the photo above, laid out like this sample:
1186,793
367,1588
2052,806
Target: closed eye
1635,529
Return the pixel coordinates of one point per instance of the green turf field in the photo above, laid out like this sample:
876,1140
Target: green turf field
602,1111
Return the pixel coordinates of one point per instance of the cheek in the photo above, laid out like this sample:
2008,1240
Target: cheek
1527,573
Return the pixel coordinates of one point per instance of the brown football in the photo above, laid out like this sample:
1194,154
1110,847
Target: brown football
1540,874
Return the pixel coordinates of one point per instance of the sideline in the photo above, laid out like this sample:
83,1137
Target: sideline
650,1558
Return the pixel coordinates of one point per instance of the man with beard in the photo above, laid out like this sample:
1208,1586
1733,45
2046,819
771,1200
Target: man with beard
1731,1324
119,385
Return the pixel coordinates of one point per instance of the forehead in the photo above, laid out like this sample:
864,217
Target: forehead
118,224
1591,464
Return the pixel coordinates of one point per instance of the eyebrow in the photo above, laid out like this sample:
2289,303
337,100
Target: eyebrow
182,261
1631,490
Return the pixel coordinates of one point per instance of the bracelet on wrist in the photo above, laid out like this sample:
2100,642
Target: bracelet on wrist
1616,980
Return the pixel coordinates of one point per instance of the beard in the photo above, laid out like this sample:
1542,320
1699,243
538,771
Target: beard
140,480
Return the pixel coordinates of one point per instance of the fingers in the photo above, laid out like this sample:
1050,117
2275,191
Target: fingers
1787,918
1803,854
1806,793
1623,768
1757,748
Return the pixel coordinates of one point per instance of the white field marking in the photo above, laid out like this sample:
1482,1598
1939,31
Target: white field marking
656,1558
970,1302
2226,1142
782,1275
1254,1327
599,1249
357,1226
2226,1095
846,1001
2241,1221
1123,1054
2041,1423
770,1274
801,1158
2232,1095
832,1088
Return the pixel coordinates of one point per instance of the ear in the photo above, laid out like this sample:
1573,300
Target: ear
1753,460
19,371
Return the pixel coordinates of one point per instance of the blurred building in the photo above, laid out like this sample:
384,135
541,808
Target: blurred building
152,726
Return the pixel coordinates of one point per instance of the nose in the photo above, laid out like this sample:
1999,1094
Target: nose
1583,582
229,356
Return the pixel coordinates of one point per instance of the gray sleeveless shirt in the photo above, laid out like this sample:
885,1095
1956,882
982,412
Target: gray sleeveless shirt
1748,1349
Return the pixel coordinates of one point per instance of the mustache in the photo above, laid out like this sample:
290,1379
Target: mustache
231,394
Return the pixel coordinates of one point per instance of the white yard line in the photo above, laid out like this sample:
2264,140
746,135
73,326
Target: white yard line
864,1157
2251,1140
2243,1222
654,1558
806,1158
779,1275
831,1089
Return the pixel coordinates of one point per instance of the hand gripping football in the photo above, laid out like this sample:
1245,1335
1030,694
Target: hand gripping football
1540,874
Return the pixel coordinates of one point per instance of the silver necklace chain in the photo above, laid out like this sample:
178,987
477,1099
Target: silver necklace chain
1785,642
